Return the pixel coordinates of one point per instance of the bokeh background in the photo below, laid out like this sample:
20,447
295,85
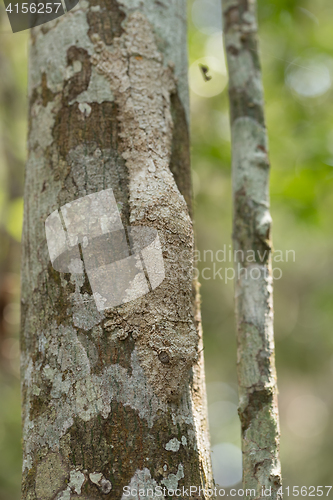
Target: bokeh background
296,43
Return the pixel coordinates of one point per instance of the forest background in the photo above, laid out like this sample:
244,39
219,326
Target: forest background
296,43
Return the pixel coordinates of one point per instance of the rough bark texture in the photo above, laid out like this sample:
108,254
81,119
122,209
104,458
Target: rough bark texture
113,398
252,245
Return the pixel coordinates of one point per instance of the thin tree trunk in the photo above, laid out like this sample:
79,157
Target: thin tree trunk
252,246
111,398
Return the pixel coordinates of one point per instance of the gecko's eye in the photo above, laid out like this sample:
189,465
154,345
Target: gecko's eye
164,357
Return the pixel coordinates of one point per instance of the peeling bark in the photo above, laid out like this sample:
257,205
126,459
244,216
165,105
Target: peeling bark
111,398
251,233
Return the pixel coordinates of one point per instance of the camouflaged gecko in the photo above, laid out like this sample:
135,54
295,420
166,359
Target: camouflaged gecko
162,322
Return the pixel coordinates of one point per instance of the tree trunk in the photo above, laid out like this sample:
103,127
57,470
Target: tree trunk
252,247
112,398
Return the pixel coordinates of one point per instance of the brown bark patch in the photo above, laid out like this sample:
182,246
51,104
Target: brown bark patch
113,351
79,82
72,127
243,105
257,401
46,94
106,21
60,293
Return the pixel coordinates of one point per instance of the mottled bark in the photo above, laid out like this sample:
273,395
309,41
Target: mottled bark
113,398
252,246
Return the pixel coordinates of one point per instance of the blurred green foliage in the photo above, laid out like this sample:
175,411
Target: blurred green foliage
296,44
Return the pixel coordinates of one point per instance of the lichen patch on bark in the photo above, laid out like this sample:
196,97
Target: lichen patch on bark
51,474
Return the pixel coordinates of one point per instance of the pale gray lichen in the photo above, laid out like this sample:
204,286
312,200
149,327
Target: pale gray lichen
103,484
85,108
95,477
77,479
50,476
87,395
143,481
42,124
174,444
142,484
171,482
52,58
64,495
